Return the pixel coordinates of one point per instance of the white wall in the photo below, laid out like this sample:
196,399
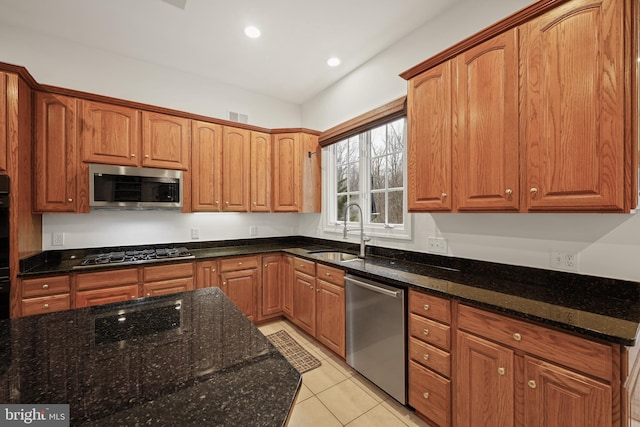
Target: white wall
67,64
608,244
115,228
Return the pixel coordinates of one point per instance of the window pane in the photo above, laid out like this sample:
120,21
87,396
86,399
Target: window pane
354,177
378,208
395,173
341,205
354,213
341,179
395,140
378,141
378,171
395,207
354,150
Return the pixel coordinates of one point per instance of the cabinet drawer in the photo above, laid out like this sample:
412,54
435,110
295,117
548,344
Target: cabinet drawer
566,349
234,264
106,295
430,394
108,278
42,286
305,266
167,272
430,331
330,274
167,287
430,306
429,356
47,304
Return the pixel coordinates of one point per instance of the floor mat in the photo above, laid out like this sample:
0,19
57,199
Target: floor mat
300,358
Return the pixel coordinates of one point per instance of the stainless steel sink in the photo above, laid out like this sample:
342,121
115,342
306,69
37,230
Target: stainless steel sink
335,255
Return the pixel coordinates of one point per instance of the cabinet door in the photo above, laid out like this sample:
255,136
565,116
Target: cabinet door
271,285
165,141
55,157
310,190
304,302
110,134
240,287
286,173
574,107
207,274
106,295
260,172
556,397
206,169
287,286
331,316
486,148
485,383
236,160
429,143
3,122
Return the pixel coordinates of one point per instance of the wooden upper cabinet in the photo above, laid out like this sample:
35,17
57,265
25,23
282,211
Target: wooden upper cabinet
206,166
574,108
286,172
110,134
260,172
3,123
486,148
55,153
165,141
429,111
236,160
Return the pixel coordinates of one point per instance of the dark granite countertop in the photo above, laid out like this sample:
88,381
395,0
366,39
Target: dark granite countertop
601,308
187,359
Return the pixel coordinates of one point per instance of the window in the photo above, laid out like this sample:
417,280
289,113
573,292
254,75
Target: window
369,169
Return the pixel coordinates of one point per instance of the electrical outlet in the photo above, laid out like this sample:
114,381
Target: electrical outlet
57,239
253,230
568,261
437,245
195,233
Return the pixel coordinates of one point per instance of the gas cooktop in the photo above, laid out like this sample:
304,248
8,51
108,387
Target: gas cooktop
135,257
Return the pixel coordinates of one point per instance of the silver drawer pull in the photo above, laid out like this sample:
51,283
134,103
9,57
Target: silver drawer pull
425,394
45,286
531,383
425,331
517,336
426,307
425,356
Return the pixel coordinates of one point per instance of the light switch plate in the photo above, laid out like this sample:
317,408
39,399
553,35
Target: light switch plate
195,233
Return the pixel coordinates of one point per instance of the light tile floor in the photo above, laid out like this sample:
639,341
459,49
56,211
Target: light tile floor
336,395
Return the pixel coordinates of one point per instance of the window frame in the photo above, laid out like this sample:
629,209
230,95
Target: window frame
334,225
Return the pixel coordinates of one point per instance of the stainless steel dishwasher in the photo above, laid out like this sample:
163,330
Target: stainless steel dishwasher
376,334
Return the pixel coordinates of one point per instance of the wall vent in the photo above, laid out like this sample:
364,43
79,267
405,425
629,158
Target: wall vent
238,117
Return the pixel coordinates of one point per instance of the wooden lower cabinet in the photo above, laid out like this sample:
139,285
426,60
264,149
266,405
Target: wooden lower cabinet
511,372
106,295
45,294
304,302
167,287
105,287
207,274
287,286
239,281
330,309
167,279
430,394
271,286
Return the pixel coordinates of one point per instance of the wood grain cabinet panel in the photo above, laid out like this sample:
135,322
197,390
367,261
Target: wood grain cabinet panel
207,274
206,166
271,295
331,316
3,123
304,302
236,161
574,107
486,145
110,134
46,304
286,172
260,188
166,141
430,394
106,295
167,272
241,288
429,116
55,153
287,286
166,287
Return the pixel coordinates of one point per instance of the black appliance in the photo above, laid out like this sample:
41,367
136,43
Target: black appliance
5,280
134,257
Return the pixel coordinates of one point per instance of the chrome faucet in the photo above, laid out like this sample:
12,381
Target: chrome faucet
363,238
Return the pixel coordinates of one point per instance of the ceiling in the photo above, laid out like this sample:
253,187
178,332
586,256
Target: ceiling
206,38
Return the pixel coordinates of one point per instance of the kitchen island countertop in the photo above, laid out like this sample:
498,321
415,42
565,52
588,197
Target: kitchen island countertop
190,358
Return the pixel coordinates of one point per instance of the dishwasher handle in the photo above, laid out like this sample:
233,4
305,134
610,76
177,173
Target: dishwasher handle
374,288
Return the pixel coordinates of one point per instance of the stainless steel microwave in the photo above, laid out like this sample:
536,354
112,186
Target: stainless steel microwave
125,187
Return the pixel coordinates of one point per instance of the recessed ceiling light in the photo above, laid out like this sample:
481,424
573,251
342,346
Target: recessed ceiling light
333,62
252,32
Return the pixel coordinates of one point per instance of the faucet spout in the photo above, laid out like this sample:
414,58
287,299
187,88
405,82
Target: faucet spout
363,238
